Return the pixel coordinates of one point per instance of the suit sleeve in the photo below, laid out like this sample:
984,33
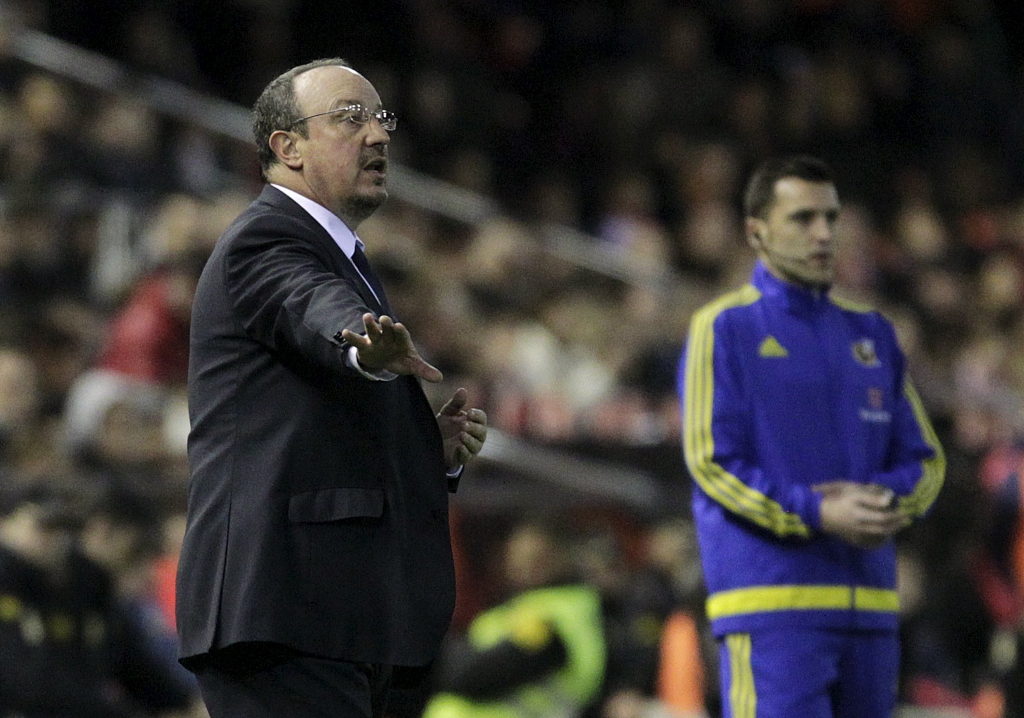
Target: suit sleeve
718,440
916,464
287,297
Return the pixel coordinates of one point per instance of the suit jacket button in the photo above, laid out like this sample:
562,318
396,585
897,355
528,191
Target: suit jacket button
435,514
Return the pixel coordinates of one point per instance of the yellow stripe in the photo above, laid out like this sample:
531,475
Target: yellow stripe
742,694
875,599
933,470
698,442
745,501
851,305
761,599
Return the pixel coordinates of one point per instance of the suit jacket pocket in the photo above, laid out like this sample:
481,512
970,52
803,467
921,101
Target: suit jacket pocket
325,505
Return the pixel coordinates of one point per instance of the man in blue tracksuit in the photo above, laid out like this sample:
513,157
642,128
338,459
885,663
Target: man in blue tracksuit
810,450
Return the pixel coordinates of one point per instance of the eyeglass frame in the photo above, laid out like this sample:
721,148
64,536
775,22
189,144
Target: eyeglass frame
383,117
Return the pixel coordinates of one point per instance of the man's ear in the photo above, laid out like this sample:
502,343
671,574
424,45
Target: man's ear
286,148
754,229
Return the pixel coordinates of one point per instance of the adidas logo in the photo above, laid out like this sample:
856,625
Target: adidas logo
770,347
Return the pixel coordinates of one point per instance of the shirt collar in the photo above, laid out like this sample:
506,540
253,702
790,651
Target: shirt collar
344,237
793,296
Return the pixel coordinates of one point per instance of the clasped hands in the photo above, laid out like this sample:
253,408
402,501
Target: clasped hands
864,515
388,345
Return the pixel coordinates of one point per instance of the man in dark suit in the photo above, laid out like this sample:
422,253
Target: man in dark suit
316,564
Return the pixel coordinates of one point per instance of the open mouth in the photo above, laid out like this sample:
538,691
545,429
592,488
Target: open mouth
376,165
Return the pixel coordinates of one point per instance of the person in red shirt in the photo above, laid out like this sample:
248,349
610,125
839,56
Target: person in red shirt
148,337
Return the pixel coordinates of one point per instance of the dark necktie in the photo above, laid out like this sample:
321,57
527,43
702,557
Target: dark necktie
359,259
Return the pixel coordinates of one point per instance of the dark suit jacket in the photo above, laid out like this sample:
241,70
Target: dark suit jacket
318,506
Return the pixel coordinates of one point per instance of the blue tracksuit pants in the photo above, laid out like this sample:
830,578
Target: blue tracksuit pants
809,673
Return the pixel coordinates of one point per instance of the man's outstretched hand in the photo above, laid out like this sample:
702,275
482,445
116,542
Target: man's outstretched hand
387,345
463,430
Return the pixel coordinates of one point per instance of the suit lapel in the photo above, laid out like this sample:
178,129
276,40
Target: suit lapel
340,264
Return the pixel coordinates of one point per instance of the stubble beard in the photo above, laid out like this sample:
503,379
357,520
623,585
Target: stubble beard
361,207
814,280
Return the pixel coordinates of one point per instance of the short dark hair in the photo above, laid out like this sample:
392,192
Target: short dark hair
760,192
277,109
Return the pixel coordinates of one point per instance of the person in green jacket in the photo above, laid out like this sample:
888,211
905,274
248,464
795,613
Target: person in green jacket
540,653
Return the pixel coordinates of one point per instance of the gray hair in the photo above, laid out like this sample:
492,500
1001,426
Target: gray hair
277,109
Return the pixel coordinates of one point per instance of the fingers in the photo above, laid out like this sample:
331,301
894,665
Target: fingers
426,371
871,496
894,521
877,525
455,404
356,340
830,487
465,430
478,422
372,332
475,431
473,438
863,515
376,329
386,344
472,424
885,496
468,447
877,501
371,326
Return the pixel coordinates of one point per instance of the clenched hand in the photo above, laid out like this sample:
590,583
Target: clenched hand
463,430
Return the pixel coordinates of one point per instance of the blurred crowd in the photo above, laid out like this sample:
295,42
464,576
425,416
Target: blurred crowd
634,123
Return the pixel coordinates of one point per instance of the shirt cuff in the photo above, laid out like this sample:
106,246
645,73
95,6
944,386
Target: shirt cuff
453,476
380,375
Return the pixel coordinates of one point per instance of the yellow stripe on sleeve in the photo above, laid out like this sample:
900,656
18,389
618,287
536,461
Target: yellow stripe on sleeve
698,441
933,470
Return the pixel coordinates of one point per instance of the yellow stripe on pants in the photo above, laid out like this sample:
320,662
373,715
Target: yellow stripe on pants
742,695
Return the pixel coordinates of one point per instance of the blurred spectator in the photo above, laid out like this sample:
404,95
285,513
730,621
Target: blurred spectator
124,146
46,150
68,648
951,657
125,532
20,420
119,426
62,337
37,258
688,667
543,648
148,337
635,606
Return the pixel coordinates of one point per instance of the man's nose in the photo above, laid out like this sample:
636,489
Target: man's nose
376,134
822,230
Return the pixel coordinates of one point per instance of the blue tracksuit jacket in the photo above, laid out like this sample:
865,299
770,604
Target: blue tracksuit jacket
782,388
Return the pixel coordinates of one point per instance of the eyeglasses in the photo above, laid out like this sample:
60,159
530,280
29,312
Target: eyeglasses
357,115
